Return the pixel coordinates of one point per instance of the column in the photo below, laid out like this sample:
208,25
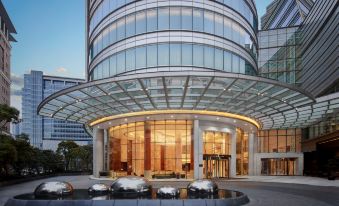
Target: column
198,151
233,165
108,150
147,151
98,151
251,151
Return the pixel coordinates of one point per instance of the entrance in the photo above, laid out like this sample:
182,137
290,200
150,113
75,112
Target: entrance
216,166
279,166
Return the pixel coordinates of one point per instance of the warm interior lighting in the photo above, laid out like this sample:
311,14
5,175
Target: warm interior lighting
171,112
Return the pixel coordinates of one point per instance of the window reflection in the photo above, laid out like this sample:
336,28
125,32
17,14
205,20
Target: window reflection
108,6
174,18
174,54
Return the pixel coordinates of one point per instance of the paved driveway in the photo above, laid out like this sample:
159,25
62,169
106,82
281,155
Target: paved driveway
260,193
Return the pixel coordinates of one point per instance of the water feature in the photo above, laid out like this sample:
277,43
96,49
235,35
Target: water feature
130,191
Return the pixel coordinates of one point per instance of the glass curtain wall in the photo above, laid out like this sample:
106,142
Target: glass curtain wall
170,148
217,150
127,149
279,141
242,153
218,143
173,54
173,18
279,166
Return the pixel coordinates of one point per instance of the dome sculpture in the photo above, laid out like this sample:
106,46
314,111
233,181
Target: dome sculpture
53,189
98,189
202,188
168,192
131,186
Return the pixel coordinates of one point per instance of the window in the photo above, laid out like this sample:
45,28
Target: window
105,69
113,32
186,21
152,20
113,65
163,18
209,57
130,25
175,54
152,55
198,21
130,59
163,52
242,66
219,59
227,28
121,29
140,20
140,59
175,18
187,54
227,61
121,62
235,63
198,55
209,22
219,25
105,40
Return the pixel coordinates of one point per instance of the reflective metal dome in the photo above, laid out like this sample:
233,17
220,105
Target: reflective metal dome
168,192
52,189
98,189
131,186
202,188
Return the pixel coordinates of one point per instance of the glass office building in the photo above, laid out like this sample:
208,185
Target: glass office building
45,132
173,91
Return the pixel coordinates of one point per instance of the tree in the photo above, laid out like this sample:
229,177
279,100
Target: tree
65,149
25,153
82,155
8,153
8,114
51,161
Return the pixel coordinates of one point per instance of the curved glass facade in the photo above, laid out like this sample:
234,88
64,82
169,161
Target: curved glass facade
171,54
162,148
108,6
172,18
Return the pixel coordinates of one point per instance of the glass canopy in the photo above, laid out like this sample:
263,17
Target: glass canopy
271,103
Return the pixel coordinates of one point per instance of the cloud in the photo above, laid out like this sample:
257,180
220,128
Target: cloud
17,81
61,70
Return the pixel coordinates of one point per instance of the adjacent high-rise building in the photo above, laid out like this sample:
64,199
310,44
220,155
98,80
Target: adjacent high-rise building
45,132
305,53
174,88
6,37
285,13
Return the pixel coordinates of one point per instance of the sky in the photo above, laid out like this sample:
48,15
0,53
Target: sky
51,38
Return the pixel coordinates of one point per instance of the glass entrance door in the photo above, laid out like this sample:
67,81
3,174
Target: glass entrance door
216,166
279,166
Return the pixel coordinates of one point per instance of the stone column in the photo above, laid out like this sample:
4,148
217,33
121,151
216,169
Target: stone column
251,151
147,151
198,151
98,151
233,165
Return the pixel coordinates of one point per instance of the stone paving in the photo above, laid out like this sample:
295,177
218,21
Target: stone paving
262,191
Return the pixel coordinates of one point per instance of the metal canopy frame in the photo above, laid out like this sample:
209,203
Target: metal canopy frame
273,104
